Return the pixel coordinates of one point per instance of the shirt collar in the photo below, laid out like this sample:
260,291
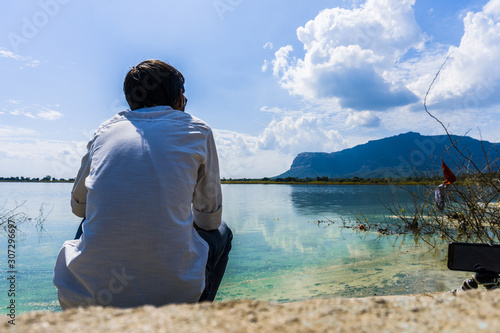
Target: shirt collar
155,108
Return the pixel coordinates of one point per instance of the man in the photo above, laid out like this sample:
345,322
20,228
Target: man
149,192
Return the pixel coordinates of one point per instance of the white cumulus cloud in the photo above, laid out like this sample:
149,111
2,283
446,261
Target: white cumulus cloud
13,131
11,55
471,77
272,151
33,111
295,135
49,114
268,45
350,54
37,158
265,66
363,118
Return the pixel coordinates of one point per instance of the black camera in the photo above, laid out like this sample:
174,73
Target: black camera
465,256
483,259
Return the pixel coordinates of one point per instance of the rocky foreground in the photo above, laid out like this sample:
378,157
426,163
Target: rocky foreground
472,311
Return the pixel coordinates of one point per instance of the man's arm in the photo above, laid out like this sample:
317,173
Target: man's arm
207,198
79,191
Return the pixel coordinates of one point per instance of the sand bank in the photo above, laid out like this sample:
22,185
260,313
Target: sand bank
472,311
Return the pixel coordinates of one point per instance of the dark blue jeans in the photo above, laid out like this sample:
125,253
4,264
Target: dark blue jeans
219,243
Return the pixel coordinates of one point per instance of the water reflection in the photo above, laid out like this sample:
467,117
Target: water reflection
282,218
307,199
281,254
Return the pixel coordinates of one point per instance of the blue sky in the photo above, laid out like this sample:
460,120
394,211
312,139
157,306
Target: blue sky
272,78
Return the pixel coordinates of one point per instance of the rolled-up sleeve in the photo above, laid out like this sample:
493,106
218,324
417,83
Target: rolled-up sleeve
207,198
79,191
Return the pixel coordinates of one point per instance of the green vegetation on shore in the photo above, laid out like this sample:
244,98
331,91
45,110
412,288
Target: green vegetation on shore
46,179
336,181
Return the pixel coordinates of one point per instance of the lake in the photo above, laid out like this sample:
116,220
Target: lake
280,252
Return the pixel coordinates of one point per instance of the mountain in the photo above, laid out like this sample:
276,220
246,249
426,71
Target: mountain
391,157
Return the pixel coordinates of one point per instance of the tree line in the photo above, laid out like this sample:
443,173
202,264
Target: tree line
45,179
335,181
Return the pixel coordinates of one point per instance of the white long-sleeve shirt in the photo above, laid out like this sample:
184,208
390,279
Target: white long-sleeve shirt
148,174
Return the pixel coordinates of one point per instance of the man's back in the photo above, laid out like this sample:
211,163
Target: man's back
145,168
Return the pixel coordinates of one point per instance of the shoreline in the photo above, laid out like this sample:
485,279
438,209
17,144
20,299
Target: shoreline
436,312
264,181
252,182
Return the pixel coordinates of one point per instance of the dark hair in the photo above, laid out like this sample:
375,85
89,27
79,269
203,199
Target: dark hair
152,83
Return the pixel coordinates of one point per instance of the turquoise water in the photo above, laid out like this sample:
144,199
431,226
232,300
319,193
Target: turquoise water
279,253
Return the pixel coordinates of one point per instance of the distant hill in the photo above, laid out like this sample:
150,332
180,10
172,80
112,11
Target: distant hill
389,157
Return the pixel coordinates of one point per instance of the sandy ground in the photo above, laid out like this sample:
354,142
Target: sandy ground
472,311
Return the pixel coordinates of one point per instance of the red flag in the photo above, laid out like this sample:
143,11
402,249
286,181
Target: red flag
448,174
